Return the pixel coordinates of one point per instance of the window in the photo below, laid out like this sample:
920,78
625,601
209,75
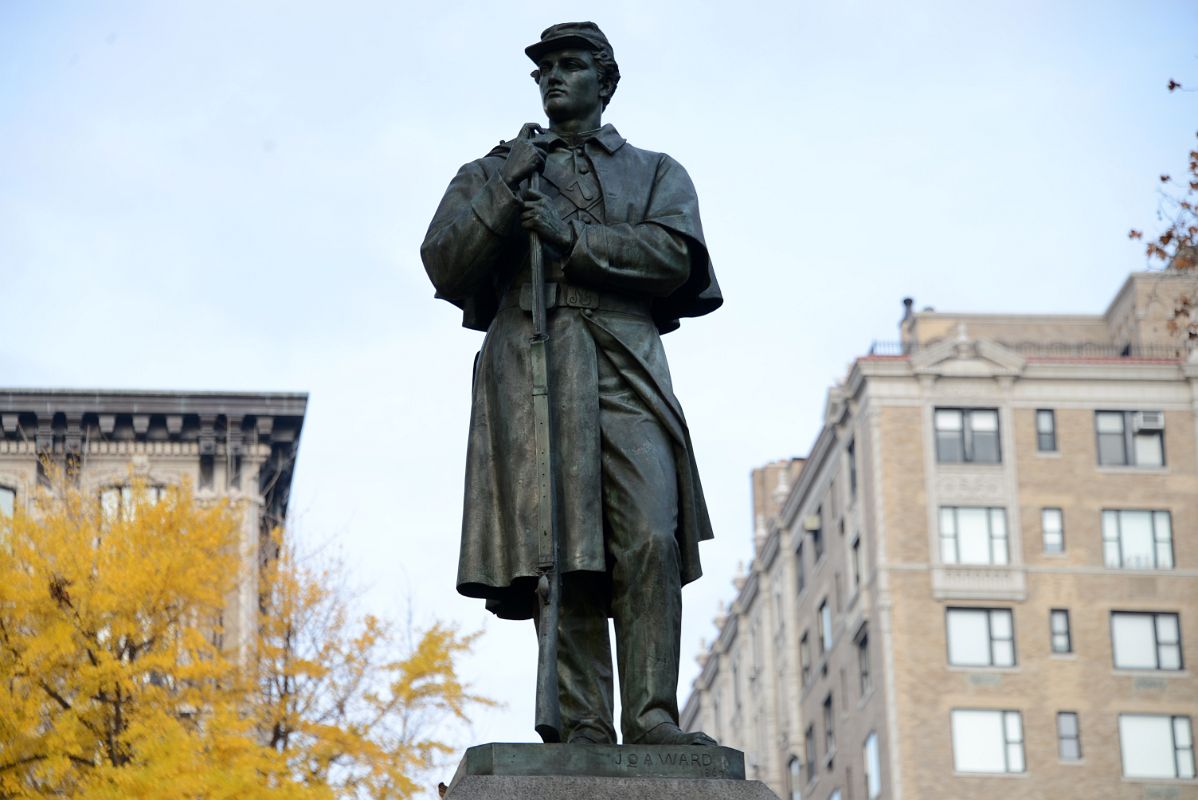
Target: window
8,501
1130,438
829,729
1046,430
119,501
1052,529
815,524
973,535
968,435
809,746
980,637
794,772
825,627
801,568
1137,539
1145,640
1058,629
835,795
1156,746
804,659
850,452
873,767
855,562
987,741
1069,737
863,665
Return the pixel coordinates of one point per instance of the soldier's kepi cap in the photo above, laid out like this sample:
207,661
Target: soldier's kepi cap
568,34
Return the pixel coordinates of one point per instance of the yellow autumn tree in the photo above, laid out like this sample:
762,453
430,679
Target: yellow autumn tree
340,698
114,682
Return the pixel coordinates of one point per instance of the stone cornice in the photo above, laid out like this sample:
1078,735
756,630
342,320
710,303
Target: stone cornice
263,427
101,401
72,420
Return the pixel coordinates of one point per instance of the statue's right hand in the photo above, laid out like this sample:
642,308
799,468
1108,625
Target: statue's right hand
522,160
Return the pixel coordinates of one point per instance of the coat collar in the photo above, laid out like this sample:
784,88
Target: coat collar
607,137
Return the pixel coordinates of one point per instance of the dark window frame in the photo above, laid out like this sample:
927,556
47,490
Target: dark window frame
802,568
1060,532
1178,748
990,637
851,456
1053,615
1063,737
1046,440
967,436
805,659
1128,439
825,627
1157,540
1007,742
1157,643
794,777
864,666
810,747
829,718
991,537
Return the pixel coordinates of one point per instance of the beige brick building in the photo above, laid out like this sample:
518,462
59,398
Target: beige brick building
983,579
228,444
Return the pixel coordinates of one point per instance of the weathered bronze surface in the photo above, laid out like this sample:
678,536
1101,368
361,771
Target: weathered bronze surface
624,259
605,760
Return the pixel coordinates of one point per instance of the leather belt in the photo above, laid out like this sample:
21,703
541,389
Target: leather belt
565,295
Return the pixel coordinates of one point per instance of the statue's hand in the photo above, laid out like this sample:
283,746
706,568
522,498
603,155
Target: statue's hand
540,216
522,160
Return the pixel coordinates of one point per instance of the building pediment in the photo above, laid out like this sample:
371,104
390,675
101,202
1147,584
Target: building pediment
963,357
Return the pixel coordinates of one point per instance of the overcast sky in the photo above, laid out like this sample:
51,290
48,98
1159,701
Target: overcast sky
232,195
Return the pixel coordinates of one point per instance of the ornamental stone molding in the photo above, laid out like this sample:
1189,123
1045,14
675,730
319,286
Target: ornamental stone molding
161,436
971,488
963,357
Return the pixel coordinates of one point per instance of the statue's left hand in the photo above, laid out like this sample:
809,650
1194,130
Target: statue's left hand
540,216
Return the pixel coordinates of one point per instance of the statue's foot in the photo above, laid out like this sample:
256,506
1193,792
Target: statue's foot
582,738
589,734
669,733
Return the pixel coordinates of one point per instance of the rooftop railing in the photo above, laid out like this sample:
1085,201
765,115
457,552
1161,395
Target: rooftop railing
1051,350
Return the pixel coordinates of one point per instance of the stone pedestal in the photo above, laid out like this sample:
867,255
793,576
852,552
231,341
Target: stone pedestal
603,772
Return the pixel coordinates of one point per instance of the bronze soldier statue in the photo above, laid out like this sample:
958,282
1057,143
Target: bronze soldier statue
616,232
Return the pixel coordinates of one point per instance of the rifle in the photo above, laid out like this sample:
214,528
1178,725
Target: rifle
549,584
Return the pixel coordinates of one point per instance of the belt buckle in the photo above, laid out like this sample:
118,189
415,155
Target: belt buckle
578,297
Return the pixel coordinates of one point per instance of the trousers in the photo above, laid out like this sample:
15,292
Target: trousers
642,587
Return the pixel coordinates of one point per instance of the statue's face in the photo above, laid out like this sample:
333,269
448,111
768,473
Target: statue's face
570,86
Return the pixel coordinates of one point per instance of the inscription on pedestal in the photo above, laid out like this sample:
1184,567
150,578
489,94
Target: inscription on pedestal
698,764
612,761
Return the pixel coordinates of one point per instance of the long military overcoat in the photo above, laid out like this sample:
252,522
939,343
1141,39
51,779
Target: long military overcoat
650,246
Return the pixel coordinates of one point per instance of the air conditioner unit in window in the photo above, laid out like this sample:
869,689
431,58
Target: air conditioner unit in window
1148,421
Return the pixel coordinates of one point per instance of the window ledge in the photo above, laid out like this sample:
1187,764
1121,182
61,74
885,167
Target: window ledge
1162,571
974,670
1022,775
1048,453
969,466
1127,469
1162,781
1125,672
